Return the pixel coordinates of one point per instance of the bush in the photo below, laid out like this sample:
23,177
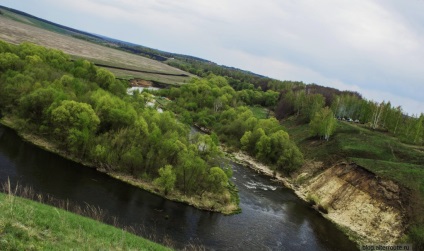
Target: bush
312,199
416,236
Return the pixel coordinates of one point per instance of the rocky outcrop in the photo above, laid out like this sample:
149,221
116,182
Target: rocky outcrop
358,200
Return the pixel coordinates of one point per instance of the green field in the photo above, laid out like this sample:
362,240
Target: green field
28,225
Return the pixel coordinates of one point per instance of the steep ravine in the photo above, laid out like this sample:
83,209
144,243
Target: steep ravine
368,208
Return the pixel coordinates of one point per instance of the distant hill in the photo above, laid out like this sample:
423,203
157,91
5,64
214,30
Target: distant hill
18,27
194,65
42,23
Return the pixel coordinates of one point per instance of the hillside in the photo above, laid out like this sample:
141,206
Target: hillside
15,28
376,162
377,151
28,225
194,65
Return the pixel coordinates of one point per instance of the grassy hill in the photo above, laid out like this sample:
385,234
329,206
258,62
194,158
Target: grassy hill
28,225
377,151
16,28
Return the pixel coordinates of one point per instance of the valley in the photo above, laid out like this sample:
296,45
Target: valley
362,182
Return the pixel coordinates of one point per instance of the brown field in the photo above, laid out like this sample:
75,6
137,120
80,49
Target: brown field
17,32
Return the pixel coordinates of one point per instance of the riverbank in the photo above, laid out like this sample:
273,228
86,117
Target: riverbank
29,225
344,194
208,201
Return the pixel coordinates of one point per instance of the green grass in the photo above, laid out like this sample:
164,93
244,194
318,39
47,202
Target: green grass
409,175
355,141
168,80
259,112
129,74
377,151
28,225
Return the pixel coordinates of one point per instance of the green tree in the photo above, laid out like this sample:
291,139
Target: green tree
314,102
290,157
35,105
74,123
250,139
323,123
104,78
419,129
9,61
191,171
263,148
166,179
217,180
113,112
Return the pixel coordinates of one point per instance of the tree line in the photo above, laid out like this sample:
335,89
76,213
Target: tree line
87,113
315,105
212,103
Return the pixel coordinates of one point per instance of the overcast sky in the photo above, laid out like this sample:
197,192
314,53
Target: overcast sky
375,47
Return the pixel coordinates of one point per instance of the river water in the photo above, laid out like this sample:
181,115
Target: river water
272,217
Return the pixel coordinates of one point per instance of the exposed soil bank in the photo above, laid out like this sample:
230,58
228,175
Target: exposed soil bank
368,208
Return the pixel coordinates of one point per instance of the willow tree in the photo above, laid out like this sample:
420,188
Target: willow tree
75,124
323,124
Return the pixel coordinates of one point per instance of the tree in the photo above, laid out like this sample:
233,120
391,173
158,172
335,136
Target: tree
395,118
34,106
9,61
249,140
104,78
191,171
290,157
263,148
217,180
314,102
378,111
167,178
419,128
323,123
113,111
74,123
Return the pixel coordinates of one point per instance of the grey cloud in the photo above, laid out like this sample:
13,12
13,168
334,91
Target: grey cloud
372,44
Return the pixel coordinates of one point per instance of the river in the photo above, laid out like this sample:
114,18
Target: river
272,217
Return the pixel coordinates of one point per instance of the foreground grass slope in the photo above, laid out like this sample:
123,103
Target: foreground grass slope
28,225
